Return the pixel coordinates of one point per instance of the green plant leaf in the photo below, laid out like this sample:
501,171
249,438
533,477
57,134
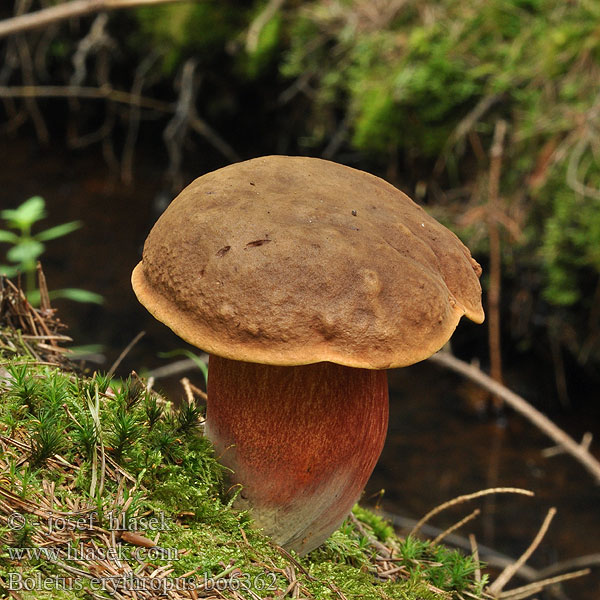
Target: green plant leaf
26,214
77,295
58,231
187,353
9,270
8,236
25,252
86,349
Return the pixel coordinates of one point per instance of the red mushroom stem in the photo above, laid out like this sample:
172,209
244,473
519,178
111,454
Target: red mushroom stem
301,440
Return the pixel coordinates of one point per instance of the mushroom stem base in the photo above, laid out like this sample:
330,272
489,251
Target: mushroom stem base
301,440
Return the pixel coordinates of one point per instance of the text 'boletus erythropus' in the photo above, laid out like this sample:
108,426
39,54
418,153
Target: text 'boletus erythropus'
304,280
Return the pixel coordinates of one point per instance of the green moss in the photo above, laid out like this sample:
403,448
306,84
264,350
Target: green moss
407,83
124,459
178,31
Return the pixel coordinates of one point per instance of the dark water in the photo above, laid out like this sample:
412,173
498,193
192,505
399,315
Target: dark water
438,445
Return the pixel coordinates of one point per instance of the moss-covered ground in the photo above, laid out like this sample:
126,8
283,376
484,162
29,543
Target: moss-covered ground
108,490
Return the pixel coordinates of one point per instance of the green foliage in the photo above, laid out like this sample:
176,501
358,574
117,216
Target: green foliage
382,530
46,438
27,247
178,31
408,81
571,244
262,52
431,563
442,567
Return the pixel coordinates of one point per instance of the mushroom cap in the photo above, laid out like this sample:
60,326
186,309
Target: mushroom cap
293,260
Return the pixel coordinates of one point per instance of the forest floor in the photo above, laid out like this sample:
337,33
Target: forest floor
108,490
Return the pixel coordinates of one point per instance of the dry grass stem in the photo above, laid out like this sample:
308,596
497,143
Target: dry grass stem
256,27
198,392
39,329
475,553
189,395
466,498
528,590
383,550
498,585
588,560
586,442
456,526
124,353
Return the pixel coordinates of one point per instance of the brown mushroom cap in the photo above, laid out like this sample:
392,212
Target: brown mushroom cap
292,260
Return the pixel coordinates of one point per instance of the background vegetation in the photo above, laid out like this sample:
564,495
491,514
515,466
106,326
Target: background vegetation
410,90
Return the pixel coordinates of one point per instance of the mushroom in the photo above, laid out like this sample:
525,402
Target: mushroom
304,280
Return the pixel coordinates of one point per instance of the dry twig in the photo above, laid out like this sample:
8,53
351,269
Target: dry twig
67,10
588,560
495,256
475,554
256,27
498,585
528,590
521,405
466,498
28,330
383,550
125,352
456,526
465,127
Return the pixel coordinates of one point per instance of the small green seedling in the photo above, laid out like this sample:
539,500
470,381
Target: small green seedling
26,248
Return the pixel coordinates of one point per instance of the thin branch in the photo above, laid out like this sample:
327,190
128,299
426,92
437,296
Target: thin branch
573,180
134,116
172,369
256,27
68,10
537,586
588,560
106,92
201,127
492,557
125,352
91,92
97,41
339,137
475,554
495,589
456,526
466,498
586,442
522,406
95,38
176,130
464,127
28,77
381,548
494,338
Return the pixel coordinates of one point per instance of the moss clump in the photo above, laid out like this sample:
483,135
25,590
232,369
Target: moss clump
106,488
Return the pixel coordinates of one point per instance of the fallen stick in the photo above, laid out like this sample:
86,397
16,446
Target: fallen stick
66,10
578,451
